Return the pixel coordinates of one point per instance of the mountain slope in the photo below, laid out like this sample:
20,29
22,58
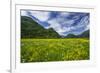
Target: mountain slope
85,34
31,29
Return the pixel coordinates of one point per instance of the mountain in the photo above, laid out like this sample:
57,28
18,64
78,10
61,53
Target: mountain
61,22
71,36
85,34
31,29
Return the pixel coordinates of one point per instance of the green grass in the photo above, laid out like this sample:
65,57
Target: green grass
44,50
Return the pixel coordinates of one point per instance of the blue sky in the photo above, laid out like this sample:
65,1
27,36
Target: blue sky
63,23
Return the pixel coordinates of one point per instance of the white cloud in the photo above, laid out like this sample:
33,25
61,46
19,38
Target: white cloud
40,15
84,21
75,17
68,22
64,14
60,24
58,27
54,24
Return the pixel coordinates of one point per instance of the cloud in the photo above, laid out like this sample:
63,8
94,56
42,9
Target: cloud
63,23
40,15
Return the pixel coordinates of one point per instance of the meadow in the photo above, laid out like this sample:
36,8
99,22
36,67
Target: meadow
45,50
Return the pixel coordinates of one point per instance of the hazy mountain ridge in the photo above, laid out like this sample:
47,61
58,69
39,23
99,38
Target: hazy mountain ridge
85,34
31,29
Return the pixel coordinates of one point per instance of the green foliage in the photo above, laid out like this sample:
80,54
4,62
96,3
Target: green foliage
71,36
85,34
44,50
31,29
46,45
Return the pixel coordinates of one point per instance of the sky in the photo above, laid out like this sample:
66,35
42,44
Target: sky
63,23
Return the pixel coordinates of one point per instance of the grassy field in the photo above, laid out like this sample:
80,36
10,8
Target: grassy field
43,50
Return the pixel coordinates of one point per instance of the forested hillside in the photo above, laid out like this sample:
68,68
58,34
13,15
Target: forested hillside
31,29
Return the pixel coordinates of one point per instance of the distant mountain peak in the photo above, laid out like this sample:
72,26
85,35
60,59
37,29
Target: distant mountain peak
63,23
